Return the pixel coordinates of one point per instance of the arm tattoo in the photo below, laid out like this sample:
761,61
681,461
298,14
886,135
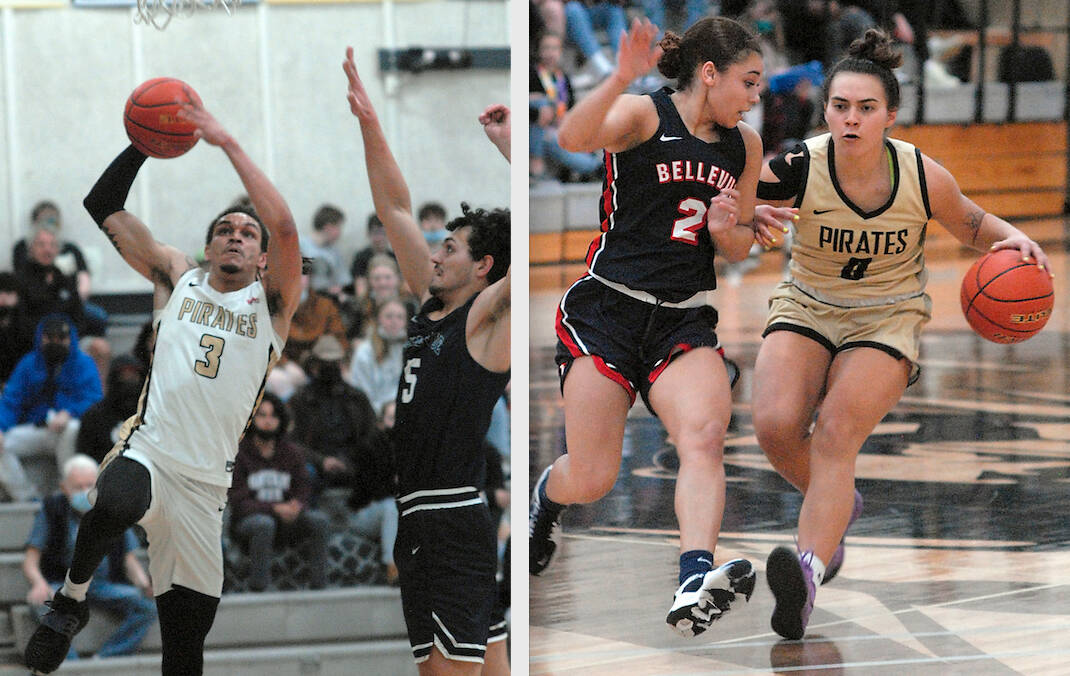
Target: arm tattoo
111,238
973,222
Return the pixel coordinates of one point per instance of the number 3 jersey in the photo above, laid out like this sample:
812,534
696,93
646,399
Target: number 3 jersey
845,256
653,207
445,399
209,366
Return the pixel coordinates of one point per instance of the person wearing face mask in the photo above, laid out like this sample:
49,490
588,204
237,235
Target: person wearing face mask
16,328
119,585
376,365
332,419
100,425
270,494
43,402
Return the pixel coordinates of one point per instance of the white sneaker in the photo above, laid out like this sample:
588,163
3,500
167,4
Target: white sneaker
704,598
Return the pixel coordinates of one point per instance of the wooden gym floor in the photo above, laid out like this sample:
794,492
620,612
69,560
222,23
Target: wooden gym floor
960,563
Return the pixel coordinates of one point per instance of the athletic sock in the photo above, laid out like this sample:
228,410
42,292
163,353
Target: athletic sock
552,508
818,566
695,562
73,590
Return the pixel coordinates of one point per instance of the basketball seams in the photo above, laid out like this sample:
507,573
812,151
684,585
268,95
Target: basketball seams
978,313
153,121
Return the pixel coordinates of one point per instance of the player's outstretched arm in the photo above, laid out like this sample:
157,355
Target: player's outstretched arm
498,127
969,223
389,190
487,329
159,263
282,279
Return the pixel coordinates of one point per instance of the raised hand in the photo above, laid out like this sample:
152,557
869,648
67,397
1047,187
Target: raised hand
637,53
208,128
496,123
359,102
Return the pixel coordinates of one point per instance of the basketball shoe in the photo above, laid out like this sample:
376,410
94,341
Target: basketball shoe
704,597
51,640
791,580
542,520
837,557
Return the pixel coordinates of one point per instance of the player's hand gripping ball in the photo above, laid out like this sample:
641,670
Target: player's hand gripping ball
1006,299
152,120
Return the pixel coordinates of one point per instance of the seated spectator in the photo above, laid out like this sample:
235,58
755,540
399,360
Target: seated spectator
376,366
377,244
100,424
317,315
582,18
328,272
384,283
269,496
16,329
46,288
374,511
119,584
549,97
49,390
333,420
432,219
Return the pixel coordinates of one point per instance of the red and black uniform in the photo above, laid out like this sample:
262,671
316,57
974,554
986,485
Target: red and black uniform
643,299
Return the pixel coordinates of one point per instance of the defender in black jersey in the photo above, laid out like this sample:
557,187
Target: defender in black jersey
456,367
681,173
848,320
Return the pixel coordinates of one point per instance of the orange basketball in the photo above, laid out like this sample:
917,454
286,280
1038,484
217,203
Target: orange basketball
1005,299
152,121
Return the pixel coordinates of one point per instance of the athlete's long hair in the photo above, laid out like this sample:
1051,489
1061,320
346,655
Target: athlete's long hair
489,236
716,39
872,54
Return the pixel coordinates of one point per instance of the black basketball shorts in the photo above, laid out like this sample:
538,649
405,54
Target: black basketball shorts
447,560
631,341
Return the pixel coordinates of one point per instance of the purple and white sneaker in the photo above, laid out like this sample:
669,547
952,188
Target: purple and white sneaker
791,580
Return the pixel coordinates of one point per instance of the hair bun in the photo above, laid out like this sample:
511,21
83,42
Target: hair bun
876,46
670,64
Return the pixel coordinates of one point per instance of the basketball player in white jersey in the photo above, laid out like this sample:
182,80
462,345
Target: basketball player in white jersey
218,332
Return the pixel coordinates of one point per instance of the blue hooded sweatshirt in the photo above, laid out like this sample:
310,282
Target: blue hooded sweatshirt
25,400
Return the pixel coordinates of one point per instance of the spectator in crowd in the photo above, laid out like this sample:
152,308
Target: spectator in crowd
546,16
432,219
119,584
376,366
270,496
692,11
70,260
49,390
100,424
332,419
373,509
317,315
582,18
16,329
384,283
328,274
377,244
549,96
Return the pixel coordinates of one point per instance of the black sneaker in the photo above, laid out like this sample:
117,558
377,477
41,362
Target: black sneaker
703,598
541,525
51,641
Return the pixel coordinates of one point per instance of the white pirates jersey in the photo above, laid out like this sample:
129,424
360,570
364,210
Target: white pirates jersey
845,256
209,366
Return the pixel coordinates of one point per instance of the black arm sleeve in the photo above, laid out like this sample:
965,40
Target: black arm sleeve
791,175
109,193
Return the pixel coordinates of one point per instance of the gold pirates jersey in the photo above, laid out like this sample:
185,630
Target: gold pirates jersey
213,352
844,256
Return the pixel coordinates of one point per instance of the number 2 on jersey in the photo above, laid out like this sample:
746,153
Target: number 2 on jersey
409,376
686,229
209,366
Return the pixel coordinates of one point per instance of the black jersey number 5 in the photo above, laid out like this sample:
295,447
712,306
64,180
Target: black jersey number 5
209,366
409,376
686,229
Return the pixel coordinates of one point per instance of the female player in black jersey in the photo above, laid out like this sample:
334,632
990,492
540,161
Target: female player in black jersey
848,319
681,174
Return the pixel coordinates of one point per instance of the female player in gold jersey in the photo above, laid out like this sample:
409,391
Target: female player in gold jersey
843,333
